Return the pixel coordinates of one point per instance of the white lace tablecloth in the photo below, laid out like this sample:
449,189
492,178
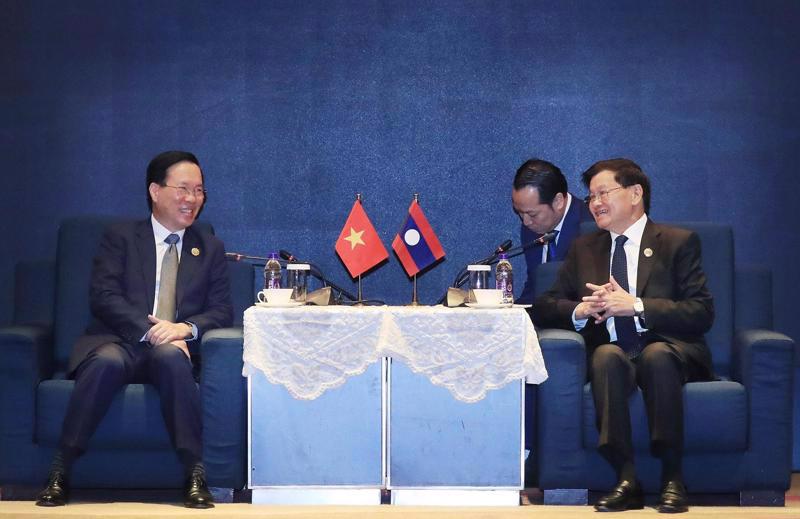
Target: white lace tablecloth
468,351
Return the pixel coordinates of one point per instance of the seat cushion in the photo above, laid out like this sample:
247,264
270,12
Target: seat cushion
134,420
715,418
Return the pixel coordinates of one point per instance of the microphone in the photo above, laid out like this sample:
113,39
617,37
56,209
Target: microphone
503,247
317,273
238,256
288,256
462,276
538,242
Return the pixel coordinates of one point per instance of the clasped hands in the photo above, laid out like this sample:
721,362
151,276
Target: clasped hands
166,332
606,301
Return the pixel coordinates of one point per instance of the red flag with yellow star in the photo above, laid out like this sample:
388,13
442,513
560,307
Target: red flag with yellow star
359,245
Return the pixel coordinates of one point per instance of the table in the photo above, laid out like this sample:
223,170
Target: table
335,392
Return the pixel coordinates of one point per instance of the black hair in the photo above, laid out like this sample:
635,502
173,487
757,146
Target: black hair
542,175
626,173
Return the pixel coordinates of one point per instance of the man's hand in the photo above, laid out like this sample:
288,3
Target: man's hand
611,299
164,331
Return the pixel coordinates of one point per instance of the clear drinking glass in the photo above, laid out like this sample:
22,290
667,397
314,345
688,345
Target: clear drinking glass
478,278
297,274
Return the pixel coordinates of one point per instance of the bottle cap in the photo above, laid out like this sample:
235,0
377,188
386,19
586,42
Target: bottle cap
503,256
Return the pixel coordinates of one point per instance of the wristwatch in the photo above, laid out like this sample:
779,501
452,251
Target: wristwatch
638,310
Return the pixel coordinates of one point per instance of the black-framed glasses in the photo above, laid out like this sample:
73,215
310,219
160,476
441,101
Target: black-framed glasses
601,195
198,192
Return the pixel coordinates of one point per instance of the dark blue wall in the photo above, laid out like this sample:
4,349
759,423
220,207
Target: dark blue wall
292,107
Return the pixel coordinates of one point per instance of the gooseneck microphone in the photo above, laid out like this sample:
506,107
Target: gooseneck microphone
538,242
238,256
463,274
317,273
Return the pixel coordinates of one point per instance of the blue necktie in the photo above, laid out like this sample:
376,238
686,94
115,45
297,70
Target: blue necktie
551,247
627,338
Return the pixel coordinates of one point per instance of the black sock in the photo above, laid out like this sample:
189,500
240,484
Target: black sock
623,466
671,465
63,460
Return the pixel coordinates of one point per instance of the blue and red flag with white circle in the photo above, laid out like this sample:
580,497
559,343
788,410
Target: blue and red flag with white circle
416,245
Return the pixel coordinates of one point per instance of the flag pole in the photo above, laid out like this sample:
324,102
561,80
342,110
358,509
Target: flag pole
414,300
360,301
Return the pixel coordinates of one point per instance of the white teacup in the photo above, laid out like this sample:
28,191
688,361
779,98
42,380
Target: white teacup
488,296
275,296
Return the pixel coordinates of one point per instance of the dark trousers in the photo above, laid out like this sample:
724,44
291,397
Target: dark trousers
660,370
109,367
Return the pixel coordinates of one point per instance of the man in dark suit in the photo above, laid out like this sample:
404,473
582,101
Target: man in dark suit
156,285
636,292
543,204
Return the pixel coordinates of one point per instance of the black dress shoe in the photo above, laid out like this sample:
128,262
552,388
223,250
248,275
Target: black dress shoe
195,492
56,493
627,495
673,498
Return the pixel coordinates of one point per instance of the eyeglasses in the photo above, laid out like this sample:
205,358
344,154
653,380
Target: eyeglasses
601,195
184,191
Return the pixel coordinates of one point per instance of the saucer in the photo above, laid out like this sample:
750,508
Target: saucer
490,305
290,304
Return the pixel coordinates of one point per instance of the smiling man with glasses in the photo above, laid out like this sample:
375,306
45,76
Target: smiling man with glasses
637,294
156,285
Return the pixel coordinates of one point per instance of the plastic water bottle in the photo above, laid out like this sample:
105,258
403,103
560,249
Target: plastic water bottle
272,272
504,279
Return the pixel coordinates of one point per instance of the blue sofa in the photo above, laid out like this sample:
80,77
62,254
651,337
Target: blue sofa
738,436
131,448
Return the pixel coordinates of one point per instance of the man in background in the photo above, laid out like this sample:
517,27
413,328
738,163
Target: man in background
543,204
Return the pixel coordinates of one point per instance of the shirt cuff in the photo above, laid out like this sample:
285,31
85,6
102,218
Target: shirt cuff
194,331
578,323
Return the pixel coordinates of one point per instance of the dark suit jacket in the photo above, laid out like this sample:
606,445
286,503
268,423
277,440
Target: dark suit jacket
123,287
578,212
678,307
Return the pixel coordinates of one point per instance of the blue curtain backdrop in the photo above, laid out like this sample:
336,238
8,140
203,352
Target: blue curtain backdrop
293,107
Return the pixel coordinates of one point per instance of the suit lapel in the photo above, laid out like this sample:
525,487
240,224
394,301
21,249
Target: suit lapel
145,242
602,261
648,251
568,230
191,254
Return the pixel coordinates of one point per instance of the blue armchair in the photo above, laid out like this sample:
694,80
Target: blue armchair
131,448
738,436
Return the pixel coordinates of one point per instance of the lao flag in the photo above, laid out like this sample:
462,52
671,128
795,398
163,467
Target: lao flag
359,245
416,245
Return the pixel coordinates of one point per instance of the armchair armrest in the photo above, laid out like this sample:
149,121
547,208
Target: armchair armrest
558,404
27,353
763,362
223,393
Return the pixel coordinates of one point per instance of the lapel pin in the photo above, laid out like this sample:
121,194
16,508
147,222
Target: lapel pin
648,252
196,251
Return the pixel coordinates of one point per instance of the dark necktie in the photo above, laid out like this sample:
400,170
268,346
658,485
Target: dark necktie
627,338
551,247
169,276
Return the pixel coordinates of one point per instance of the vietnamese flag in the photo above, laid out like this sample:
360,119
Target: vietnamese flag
416,245
358,245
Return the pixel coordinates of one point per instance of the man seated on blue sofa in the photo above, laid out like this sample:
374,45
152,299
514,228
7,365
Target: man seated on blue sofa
543,204
636,292
156,284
